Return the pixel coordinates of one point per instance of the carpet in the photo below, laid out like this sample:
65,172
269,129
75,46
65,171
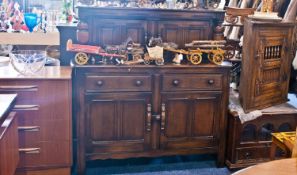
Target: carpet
171,165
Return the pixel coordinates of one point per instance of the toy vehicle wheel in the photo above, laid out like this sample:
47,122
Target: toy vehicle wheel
218,58
159,61
81,58
230,52
212,4
147,59
196,58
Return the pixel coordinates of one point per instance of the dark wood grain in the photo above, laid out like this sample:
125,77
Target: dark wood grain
113,122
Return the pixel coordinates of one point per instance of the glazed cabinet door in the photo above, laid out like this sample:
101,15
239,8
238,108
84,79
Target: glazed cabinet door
115,32
181,32
117,123
189,120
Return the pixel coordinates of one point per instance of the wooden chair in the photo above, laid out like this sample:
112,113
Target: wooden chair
286,141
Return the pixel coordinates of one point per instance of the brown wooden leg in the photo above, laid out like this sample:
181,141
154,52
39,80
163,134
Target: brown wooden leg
272,151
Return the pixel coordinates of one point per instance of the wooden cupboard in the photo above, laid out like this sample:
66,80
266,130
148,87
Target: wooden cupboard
44,119
266,64
9,153
145,111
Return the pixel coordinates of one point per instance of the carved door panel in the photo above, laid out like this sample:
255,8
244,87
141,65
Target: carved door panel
117,31
118,122
181,32
189,120
272,57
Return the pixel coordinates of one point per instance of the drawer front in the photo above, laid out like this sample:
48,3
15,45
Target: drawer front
41,130
25,90
118,83
248,154
45,154
192,82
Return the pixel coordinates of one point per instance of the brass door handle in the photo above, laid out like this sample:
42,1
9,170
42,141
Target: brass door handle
149,118
163,117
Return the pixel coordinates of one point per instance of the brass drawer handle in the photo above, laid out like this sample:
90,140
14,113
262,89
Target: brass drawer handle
25,107
19,88
149,118
175,82
100,83
138,82
29,128
210,82
163,117
29,150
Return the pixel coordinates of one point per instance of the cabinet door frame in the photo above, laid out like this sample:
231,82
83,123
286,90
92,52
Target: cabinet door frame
119,143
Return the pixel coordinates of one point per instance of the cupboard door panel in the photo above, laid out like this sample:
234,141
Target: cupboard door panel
204,115
190,120
102,117
116,122
115,32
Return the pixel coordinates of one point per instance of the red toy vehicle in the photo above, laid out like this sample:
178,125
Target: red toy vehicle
84,51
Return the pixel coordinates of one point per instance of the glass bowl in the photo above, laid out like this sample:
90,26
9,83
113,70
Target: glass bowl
28,62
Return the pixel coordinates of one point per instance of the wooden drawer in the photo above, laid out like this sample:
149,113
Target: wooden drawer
53,153
192,82
253,153
25,90
42,130
118,83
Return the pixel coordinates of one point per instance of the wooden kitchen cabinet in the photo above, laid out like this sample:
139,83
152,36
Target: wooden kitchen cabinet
266,64
146,111
44,119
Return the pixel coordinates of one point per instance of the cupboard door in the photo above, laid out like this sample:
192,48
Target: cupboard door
181,32
272,76
189,120
115,32
118,122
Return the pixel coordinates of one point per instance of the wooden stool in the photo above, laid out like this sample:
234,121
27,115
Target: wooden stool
283,140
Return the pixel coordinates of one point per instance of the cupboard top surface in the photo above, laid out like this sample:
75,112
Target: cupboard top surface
149,13
48,72
6,100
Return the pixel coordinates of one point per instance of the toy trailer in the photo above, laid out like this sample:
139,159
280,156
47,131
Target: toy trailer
81,57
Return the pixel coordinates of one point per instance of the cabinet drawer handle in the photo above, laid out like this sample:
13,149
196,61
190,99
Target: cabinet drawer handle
149,118
247,155
210,82
138,82
163,117
26,107
29,128
175,82
29,150
19,88
100,83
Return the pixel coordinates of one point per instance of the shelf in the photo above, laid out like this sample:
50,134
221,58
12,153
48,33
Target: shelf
50,38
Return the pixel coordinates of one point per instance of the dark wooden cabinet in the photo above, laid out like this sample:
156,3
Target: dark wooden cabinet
145,111
249,143
266,64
